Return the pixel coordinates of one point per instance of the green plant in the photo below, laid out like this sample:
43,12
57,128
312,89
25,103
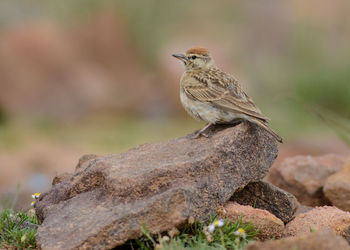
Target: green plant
220,234
18,229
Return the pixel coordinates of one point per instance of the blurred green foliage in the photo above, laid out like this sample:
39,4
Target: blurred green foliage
303,55
326,87
3,117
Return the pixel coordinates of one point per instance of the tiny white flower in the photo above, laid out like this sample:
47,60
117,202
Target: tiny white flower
220,223
211,228
36,195
240,232
32,204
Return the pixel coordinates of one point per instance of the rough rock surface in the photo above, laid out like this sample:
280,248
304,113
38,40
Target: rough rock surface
269,225
337,188
304,176
320,240
161,185
266,196
318,218
61,178
302,209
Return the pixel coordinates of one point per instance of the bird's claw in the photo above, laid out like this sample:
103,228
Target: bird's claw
198,134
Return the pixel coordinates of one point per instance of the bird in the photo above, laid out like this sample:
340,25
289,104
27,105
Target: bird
209,94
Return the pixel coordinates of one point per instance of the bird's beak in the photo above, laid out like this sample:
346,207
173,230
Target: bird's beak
181,57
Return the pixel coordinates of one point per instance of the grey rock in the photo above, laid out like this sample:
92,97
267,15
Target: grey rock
108,198
266,196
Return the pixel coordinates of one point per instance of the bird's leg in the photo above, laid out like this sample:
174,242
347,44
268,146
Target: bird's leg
201,132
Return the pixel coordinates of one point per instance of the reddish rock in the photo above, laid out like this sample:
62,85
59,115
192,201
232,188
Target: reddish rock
269,225
320,240
318,218
108,198
303,209
337,188
304,176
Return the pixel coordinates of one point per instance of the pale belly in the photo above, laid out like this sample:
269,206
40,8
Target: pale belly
204,111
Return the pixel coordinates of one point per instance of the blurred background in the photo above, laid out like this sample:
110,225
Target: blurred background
92,76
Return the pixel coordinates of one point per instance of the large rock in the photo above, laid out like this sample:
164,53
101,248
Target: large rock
161,185
304,176
320,240
266,196
318,218
269,226
337,188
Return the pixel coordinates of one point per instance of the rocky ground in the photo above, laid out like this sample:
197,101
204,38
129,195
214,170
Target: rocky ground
304,204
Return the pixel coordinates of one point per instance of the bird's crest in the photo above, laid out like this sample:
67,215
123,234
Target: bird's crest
198,50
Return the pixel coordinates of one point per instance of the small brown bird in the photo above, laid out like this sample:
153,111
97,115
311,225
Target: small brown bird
209,94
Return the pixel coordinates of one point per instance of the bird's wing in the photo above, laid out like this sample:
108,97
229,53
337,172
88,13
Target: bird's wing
223,91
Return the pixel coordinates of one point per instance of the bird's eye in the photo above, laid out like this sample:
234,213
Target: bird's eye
194,57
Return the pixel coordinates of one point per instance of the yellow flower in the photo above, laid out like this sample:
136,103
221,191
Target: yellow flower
219,223
32,204
36,195
240,232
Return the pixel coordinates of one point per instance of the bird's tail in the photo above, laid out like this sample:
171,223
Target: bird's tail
268,129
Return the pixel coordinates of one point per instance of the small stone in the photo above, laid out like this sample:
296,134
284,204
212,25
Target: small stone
323,239
269,225
318,218
191,220
266,196
304,176
337,188
173,232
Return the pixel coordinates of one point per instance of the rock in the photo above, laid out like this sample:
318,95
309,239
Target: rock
320,240
108,198
302,209
266,196
61,178
318,218
269,225
304,176
337,188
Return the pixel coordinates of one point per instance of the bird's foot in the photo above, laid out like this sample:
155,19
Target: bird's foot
196,135
211,129
202,132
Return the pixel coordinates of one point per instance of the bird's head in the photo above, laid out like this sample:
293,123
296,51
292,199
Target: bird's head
196,58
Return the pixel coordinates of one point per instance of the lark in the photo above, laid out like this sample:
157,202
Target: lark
209,94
